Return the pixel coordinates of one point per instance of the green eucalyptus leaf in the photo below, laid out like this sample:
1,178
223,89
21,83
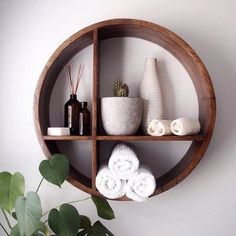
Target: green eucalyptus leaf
11,186
56,169
100,229
103,208
65,222
15,231
28,212
85,222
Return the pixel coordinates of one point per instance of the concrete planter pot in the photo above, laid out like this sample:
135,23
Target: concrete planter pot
121,115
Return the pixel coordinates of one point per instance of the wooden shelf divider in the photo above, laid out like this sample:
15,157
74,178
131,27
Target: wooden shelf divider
96,74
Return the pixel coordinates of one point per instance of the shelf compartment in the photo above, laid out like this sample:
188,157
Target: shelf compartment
67,138
150,138
79,155
160,156
79,180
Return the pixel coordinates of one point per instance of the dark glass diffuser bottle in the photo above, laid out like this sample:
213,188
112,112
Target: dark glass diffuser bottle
84,119
72,109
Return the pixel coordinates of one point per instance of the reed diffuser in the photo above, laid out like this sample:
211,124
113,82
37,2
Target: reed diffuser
72,107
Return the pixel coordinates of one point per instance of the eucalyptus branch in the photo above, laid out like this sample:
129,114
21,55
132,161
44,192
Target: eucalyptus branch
39,185
4,229
5,216
80,200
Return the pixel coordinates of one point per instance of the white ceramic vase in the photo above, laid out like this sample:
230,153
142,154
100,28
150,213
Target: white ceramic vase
151,94
121,115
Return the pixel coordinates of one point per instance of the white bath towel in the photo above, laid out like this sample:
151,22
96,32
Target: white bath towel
141,186
123,162
185,126
159,127
109,185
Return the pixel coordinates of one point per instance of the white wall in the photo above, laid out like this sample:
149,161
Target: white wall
30,31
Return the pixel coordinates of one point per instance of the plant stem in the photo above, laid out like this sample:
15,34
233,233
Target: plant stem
45,221
8,222
4,229
80,200
39,185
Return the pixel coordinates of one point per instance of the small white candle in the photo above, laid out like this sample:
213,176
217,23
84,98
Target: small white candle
58,131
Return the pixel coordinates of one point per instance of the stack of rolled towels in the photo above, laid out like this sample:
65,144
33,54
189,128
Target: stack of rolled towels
182,126
123,175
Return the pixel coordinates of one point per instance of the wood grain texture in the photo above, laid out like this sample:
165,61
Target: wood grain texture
96,75
126,28
150,138
67,138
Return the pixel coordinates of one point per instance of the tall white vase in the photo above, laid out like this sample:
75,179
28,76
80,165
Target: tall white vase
151,94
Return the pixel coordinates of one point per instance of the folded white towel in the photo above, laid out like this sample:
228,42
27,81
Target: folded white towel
185,126
141,186
159,127
109,185
123,162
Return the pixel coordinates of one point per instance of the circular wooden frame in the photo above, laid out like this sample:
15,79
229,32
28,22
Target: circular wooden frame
126,28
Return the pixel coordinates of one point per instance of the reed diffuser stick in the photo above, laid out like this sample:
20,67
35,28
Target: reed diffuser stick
67,77
80,72
70,76
73,90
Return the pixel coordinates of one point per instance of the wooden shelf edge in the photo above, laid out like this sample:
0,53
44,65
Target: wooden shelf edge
126,138
151,138
67,138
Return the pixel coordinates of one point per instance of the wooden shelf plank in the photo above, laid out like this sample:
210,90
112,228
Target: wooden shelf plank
67,138
126,138
151,138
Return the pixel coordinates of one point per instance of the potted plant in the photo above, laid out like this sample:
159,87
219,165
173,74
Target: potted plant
121,115
63,220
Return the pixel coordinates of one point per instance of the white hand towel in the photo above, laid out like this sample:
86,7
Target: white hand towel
123,162
109,185
141,186
185,126
159,127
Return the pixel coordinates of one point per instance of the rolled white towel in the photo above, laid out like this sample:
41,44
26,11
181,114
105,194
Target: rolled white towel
185,126
159,127
123,162
141,186
109,185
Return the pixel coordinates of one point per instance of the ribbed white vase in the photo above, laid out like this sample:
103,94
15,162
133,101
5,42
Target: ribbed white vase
151,94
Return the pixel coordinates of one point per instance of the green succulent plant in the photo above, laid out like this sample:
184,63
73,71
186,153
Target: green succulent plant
120,89
117,85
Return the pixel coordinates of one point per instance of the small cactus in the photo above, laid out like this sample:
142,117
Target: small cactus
116,87
120,90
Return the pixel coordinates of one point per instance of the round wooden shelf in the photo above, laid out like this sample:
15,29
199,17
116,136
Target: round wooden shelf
94,34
